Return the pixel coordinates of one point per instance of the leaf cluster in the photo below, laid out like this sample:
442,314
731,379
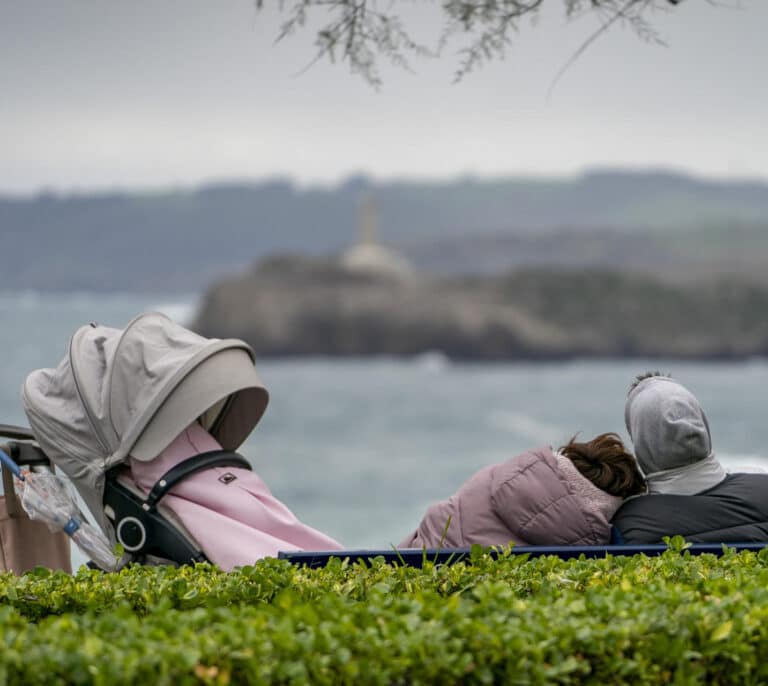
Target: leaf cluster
359,31
676,618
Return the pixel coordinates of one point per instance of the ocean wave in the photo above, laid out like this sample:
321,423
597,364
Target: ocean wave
523,425
749,462
432,361
180,312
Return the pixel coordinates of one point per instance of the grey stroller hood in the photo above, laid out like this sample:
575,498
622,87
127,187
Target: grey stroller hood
121,393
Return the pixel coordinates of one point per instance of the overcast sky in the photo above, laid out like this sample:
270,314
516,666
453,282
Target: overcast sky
158,93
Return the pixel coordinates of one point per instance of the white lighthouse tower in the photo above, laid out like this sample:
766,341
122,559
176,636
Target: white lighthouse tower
368,255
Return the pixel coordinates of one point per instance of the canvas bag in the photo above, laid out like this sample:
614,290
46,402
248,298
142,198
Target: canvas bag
25,543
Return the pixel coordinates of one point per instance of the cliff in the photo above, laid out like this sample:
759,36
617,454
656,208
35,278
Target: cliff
303,306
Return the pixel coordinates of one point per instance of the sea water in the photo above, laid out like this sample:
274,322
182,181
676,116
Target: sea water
359,447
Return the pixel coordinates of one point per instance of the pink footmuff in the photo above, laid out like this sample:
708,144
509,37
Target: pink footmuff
230,512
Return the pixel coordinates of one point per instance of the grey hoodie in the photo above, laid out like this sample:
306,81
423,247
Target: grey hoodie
671,438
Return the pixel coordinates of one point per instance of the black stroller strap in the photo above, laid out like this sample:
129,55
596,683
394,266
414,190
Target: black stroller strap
192,465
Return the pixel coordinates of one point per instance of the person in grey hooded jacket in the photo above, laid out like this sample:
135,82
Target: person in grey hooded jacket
689,491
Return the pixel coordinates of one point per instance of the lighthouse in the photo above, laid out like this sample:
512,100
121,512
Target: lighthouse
368,255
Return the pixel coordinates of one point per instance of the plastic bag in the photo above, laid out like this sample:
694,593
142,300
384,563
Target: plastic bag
46,497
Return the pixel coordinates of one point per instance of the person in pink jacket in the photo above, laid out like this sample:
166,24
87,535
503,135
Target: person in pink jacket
542,497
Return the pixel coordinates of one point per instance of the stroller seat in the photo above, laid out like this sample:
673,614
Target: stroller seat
143,525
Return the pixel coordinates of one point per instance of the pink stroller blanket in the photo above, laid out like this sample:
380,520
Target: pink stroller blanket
235,521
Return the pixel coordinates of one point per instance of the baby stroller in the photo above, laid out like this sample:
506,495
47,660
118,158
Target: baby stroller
121,394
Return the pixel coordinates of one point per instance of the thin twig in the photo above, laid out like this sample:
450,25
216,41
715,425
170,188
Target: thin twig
619,14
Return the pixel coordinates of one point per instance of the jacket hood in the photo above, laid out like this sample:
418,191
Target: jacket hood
671,438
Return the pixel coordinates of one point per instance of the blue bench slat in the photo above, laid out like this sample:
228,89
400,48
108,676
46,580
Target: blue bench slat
414,557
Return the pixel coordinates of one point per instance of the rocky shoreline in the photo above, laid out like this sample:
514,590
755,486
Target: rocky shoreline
287,306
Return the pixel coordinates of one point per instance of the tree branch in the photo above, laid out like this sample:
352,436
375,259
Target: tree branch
357,32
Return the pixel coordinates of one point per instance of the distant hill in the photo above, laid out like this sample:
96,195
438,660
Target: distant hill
684,254
184,239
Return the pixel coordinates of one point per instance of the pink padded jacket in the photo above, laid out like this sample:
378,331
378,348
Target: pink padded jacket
537,498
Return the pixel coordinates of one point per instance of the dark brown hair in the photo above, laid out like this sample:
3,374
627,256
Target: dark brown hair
607,464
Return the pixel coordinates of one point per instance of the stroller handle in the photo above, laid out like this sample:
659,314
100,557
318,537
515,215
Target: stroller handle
9,462
25,454
22,447
19,433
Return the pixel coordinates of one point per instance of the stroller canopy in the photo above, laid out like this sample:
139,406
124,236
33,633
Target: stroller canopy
130,392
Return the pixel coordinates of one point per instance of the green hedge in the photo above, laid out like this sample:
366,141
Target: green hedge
675,619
